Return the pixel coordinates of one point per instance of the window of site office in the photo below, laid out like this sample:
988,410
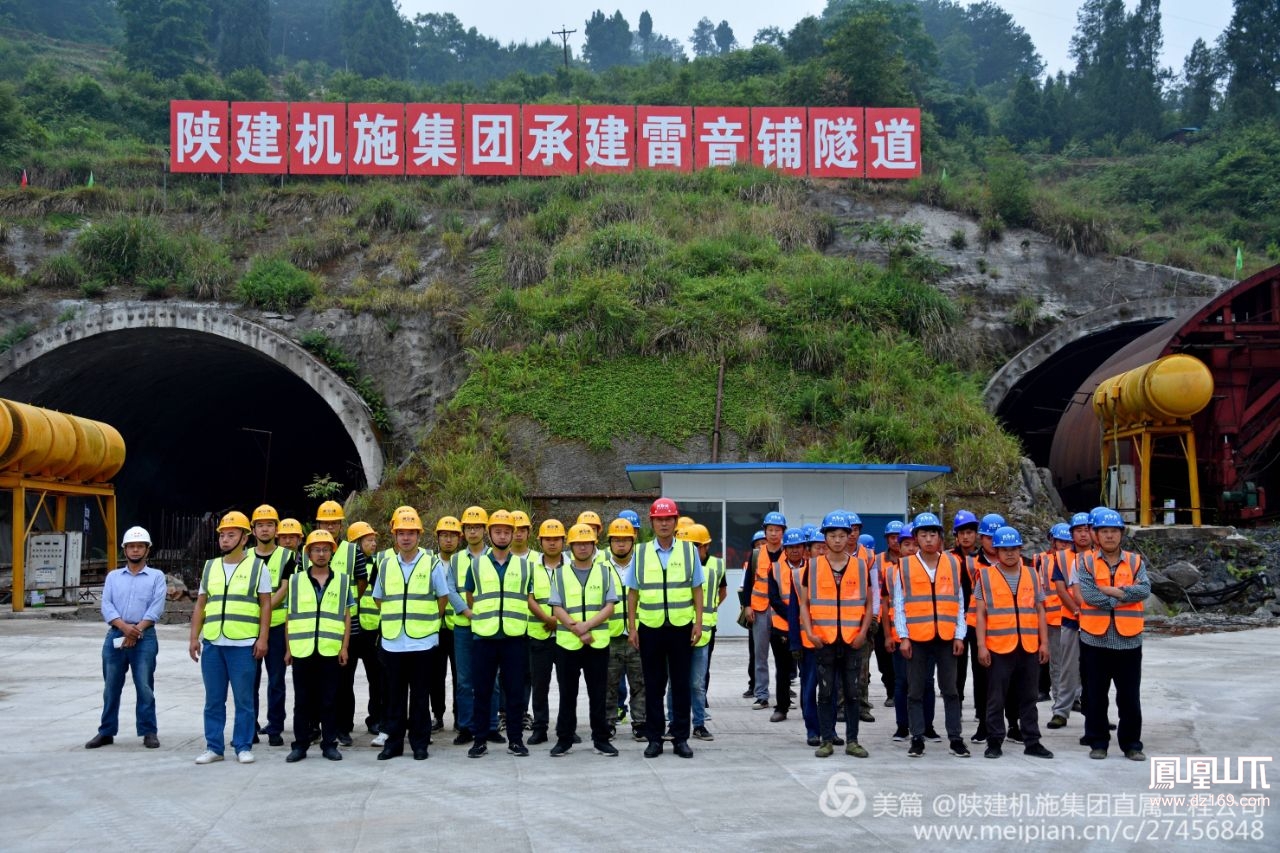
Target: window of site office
731,523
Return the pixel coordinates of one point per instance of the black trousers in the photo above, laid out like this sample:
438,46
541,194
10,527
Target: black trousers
544,655
981,677
345,701
1099,669
926,656
364,648
1014,674
838,663
780,646
593,665
315,684
665,655
884,660
507,658
408,675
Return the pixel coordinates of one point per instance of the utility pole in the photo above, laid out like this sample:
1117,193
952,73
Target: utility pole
564,37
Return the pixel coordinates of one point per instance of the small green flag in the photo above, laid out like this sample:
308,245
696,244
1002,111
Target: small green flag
1239,259
90,183
944,174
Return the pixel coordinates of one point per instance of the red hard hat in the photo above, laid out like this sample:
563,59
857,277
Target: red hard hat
664,508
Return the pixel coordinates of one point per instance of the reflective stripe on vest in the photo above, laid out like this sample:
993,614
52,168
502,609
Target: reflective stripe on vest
761,566
1011,619
370,615
275,565
618,621
783,579
582,602
836,610
971,567
317,626
500,604
665,596
460,568
714,569
1052,603
1128,618
888,571
930,607
231,610
413,610
344,562
542,578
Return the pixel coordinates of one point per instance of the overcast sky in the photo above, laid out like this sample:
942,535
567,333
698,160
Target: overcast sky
1050,25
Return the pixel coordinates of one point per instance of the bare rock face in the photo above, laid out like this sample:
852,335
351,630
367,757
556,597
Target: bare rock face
177,587
1184,574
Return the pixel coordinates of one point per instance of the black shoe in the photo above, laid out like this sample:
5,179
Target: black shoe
537,738
638,735
1057,722
837,741
980,736
814,741
344,739
1037,750
1077,707
930,734
1084,740
901,733
331,753
777,716
917,748
993,750
1111,726
603,747
577,738
295,754
477,750
388,752
494,737
464,736
562,748
278,740
958,749
100,740
888,702
654,749
682,749
866,716
701,733
438,725
518,749
371,726
748,693
151,741
420,755
1098,754
1014,734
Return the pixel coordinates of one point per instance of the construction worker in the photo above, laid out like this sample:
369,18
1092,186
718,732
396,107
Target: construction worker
880,625
713,594
448,532
543,649
795,556
593,519
500,591
364,642
746,598
475,521
964,531
411,590
985,557
280,563
928,610
582,598
664,621
625,670
781,596
769,629
319,634
229,632
1059,540
521,541
133,598
1066,683
1013,640
1113,586
289,535
836,599
633,517
349,559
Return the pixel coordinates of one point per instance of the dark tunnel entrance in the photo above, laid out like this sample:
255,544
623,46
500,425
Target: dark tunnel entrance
208,423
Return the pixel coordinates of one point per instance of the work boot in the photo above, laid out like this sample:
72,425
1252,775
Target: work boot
537,738
993,748
295,754
1057,722
603,747
654,749
99,740
777,716
958,749
825,750
855,749
331,753
917,748
682,749
464,736
1037,750
561,748
150,741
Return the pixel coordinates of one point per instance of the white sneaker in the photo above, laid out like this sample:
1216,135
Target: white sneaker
208,757
380,740
245,757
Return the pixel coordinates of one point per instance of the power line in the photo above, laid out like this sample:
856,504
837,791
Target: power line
564,37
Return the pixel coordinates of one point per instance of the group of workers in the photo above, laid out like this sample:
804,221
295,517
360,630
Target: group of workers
501,611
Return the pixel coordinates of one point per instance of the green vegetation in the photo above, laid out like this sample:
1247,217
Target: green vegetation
276,285
318,343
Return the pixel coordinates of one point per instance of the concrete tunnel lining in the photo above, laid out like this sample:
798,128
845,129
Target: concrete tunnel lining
158,368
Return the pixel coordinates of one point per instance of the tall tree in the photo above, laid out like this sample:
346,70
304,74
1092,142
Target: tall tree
703,40
1251,51
239,31
644,34
881,50
723,35
165,37
1023,119
1199,84
375,39
74,20
307,29
1117,83
608,41
804,42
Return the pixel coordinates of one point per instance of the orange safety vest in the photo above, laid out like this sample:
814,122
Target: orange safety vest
783,579
1052,603
1128,618
888,569
1011,618
972,566
1068,560
930,606
760,584
836,610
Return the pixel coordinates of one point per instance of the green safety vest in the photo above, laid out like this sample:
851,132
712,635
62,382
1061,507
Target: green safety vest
500,606
275,565
415,610
542,580
618,621
317,627
343,562
232,609
370,614
714,571
666,597
460,565
582,602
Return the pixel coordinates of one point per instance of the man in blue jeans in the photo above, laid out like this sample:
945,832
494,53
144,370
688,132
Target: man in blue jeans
132,603
229,630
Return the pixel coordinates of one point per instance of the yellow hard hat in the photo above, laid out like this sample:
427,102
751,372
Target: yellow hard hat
521,518
330,511
684,522
698,534
622,529
406,518
589,517
501,517
265,512
582,532
448,524
359,530
317,536
550,529
289,526
475,515
233,520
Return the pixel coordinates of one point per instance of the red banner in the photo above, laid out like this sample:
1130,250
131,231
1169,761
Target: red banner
665,138
836,142
259,137
893,137
720,136
433,140
318,139
550,145
492,136
198,136
607,139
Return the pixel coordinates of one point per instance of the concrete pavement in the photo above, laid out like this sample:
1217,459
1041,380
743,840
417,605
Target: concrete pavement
757,787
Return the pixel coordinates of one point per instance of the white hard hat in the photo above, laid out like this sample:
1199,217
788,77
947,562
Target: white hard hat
136,534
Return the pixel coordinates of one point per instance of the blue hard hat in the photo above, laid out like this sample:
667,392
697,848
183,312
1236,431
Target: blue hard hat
1093,514
1061,531
867,540
774,518
892,527
757,536
908,532
926,519
835,520
1080,519
631,516
990,524
1108,518
854,520
814,534
963,519
794,536
1006,537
